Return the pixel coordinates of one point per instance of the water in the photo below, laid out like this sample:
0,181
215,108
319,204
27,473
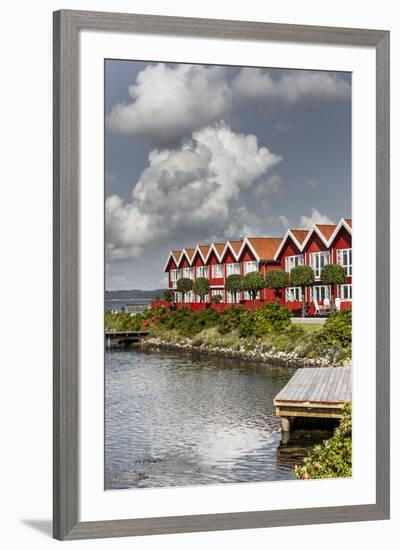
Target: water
116,304
175,419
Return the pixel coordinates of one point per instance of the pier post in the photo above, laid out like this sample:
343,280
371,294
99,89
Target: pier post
285,424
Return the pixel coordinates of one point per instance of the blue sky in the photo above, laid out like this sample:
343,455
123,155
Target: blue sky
196,153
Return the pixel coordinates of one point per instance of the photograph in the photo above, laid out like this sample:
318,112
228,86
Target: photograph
228,274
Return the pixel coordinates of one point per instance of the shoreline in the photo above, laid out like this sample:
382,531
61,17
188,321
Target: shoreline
279,358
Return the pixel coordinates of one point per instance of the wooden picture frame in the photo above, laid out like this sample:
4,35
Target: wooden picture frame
67,26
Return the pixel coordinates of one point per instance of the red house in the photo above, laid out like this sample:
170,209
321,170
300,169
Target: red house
316,247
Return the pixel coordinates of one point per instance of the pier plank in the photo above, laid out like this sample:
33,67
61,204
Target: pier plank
321,392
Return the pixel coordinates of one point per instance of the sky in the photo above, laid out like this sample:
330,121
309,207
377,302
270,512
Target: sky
205,153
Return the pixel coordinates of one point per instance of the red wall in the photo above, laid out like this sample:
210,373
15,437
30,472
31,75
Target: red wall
315,244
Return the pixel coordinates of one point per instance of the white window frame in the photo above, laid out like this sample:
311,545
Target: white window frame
206,299
316,263
188,273
293,261
248,267
231,298
246,295
233,269
294,294
188,297
345,289
217,271
217,292
178,297
174,277
317,290
344,257
202,271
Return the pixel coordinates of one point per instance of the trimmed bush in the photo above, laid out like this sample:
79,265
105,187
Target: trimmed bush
333,458
277,280
230,319
271,317
252,283
233,284
201,288
337,328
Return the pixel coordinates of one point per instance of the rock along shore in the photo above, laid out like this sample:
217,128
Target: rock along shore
257,354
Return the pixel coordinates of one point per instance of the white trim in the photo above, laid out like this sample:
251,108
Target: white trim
339,259
253,270
320,253
291,289
301,247
202,267
197,250
327,242
340,292
287,235
246,241
212,248
315,229
228,245
220,269
290,258
313,288
168,259
230,264
342,223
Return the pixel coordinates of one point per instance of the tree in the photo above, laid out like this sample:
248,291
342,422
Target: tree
333,274
169,296
276,279
252,283
216,299
302,276
201,287
184,285
233,284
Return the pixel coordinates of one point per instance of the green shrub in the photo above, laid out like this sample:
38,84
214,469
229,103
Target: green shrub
187,322
271,317
246,328
123,321
337,328
230,319
333,458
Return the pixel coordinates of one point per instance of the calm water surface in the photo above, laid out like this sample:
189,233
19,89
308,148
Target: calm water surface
180,419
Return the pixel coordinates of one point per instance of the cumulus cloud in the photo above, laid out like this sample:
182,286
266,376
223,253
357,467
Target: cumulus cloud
191,192
284,221
294,86
170,102
315,217
270,186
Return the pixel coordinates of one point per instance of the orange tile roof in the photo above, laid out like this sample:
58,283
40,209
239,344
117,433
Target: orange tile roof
326,229
300,234
176,254
219,247
265,246
190,252
236,245
204,248
348,221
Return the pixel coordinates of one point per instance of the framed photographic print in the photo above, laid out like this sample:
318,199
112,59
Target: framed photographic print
221,356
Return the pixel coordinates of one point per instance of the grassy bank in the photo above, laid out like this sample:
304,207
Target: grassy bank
264,334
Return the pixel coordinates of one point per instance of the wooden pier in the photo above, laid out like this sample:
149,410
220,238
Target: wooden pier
314,393
123,338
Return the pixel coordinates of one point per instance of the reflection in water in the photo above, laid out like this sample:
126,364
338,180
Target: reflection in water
176,419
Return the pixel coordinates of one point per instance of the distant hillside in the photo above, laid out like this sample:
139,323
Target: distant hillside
134,294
